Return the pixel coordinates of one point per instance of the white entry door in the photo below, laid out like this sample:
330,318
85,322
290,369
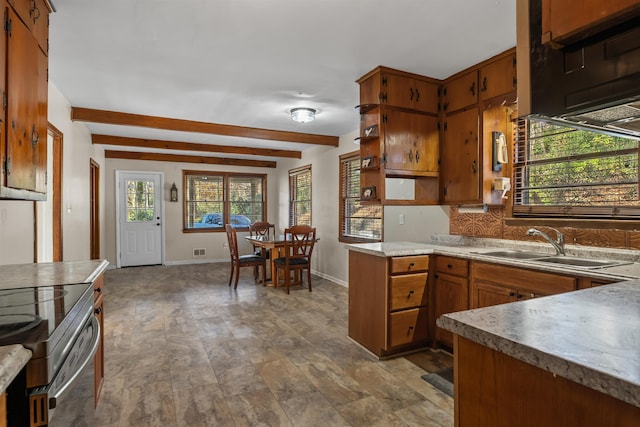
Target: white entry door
139,196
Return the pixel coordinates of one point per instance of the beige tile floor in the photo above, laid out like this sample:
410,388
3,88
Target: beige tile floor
184,349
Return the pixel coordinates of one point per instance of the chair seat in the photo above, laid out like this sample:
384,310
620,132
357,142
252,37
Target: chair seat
292,261
250,258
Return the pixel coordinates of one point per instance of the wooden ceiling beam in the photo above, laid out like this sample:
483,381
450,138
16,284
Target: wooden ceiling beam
127,119
191,146
158,157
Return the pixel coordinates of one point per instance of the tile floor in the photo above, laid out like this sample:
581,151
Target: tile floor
184,349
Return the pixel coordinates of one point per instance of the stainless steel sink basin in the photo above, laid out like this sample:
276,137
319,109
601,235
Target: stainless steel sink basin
513,254
586,263
580,262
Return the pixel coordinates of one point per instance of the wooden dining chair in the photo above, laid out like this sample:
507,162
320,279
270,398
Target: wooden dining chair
238,261
265,230
298,247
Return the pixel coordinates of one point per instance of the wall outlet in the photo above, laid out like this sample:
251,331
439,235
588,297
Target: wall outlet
199,252
401,219
225,244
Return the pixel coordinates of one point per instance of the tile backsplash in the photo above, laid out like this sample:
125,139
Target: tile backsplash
491,225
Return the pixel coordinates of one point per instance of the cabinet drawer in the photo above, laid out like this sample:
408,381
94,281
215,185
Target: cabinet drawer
525,281
408,327
409,264
452,265
408,291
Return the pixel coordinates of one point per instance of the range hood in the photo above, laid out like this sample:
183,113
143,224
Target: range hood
592,84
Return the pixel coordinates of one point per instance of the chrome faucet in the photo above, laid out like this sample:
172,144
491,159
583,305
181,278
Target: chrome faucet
557,244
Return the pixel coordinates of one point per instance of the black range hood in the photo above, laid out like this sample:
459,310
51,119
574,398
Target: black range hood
592,84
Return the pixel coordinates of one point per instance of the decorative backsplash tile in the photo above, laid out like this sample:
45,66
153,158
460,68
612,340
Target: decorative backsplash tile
491,224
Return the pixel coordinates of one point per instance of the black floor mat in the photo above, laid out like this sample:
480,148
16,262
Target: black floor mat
442,380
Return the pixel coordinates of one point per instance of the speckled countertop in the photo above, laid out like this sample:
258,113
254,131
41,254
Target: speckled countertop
50,273
591,336
475,249
14,357
12,360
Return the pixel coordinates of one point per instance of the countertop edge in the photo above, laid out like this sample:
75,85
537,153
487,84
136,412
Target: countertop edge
604,382
12,359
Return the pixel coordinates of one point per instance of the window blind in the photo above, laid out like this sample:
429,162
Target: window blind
300,196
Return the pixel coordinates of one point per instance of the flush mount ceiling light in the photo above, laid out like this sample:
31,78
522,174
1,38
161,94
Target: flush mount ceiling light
303,115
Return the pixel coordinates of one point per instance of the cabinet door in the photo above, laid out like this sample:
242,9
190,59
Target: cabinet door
451,294
460,92
460,168
398,140
570,20
22,106
397,91
411,143
498,77
486,294
426,96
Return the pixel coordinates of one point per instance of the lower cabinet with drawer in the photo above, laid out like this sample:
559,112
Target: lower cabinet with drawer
388,302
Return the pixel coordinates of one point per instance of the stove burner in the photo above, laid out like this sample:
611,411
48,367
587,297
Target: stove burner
13,324
22,297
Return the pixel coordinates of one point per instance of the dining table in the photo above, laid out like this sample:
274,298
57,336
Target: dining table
275,246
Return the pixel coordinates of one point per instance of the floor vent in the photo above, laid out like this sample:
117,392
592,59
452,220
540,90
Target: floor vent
198,252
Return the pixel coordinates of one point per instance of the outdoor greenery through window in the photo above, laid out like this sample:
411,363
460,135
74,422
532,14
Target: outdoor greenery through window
565,172
140,199
359,221
300,196
213,199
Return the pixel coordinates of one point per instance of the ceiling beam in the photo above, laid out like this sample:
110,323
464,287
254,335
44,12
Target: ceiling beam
158,157
191,146
127,119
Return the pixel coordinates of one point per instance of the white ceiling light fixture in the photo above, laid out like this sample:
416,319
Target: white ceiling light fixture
303,115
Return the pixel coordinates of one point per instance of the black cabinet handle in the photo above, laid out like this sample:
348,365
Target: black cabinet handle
449,266
484,85
98,290
473,88
411,328
417,95
411,93
98,311
511,294
410,293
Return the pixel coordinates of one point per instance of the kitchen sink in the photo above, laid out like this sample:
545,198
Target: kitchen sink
513,254
580,262
587,263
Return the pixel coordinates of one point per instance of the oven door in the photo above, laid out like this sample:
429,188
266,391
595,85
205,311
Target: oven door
70,396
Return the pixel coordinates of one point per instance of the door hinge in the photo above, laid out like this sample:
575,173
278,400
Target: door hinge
384,81
46,177
6,165
384,118
383,160
7,24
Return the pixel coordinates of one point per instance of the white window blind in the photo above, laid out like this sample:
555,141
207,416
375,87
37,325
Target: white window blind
300,196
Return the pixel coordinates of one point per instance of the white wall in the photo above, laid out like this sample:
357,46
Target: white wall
178,245
420,222
16,217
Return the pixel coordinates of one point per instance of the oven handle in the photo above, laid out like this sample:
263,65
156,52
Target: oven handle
95,341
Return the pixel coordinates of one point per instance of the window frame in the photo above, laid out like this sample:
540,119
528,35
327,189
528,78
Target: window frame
293,175
560,215
342,195
226,211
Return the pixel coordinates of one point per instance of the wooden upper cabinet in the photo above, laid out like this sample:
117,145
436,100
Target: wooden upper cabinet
394,88
410,143
460,168
35,15
498,77
568,21
460,92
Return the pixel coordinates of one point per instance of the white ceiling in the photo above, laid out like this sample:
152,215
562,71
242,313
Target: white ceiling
248,62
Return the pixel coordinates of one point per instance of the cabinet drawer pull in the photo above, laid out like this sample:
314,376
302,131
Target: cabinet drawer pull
98,290
511,294
411,328
472,89
449,266
98,311
410,293
417,95
484,85
412,265
411,93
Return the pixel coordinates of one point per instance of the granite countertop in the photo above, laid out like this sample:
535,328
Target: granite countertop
475,249
591,336
12,359
50,273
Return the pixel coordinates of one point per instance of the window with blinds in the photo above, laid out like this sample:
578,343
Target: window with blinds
358,222
213,199
300,196
565,172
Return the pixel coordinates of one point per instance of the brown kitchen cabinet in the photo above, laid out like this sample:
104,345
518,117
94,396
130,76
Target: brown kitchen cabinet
388,302
460,171
460,91
568,21
395,88
98,307
493,284
23,150
498,77
451,292
410,144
